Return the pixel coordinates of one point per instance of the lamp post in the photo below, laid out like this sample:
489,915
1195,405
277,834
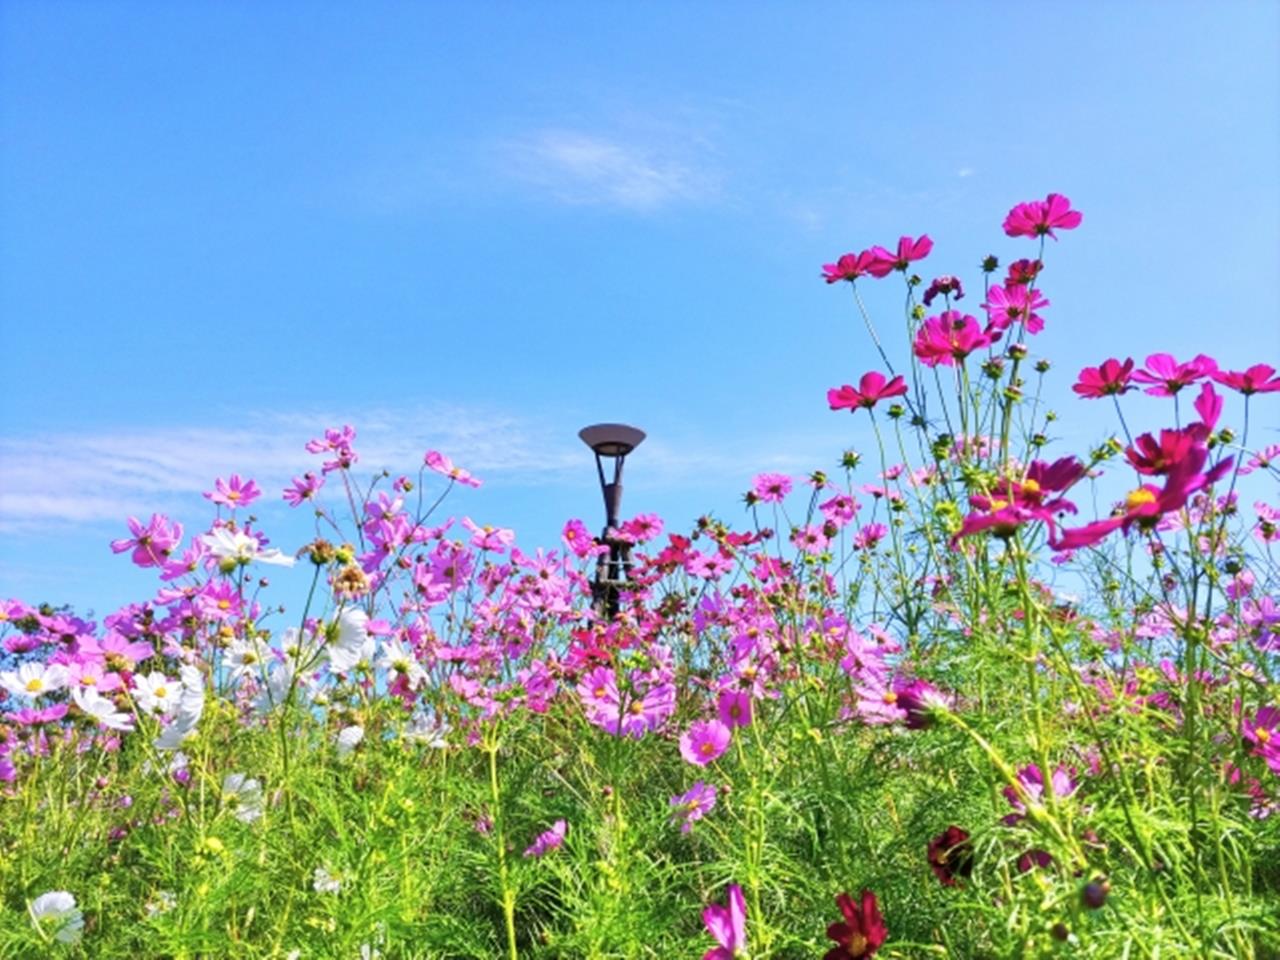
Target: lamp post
611,441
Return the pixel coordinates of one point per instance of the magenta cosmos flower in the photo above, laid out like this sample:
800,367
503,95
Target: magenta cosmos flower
734,707
1260,378
151,544
1168,376
1016,502
548,841
303,488
883,261
949,337
234,492
1015,303
849,267
872,388
704,742
728,925
1109,379
693,805
1040,217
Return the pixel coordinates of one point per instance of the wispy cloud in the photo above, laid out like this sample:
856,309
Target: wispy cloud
85,478
577,167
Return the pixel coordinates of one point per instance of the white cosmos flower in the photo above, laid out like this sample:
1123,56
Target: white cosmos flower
425,730
57,915
156,693
326,882
245,658
242,548
354,644
396,659
34,680
101,709
162,902
349,739
243,795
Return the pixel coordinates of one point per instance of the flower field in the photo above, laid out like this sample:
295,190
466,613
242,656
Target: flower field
964,693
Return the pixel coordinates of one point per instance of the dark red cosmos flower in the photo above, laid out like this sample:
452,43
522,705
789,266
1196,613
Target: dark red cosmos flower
1260,378
948,286
872,388
849,267
1110,378
883,261
951,855
1023,271
863,931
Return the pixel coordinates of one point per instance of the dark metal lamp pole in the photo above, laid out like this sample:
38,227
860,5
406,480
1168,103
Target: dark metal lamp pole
612,441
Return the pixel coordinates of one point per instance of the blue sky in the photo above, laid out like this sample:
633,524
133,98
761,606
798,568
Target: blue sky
480,226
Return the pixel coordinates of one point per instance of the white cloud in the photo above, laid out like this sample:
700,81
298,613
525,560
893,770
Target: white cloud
584,168
80,478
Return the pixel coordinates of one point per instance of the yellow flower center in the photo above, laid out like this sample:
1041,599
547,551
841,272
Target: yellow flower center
233,495
224,604
35,685
1263,735
890,697
161,692
857,944
707,748
1139,498
1030,486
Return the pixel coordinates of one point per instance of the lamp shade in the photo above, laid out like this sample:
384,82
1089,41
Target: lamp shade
611,439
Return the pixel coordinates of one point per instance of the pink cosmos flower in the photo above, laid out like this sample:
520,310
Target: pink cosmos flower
840,509
577,539
849,267
693,805
151,544
444,466
303,488
810,538
946,286
704,742
949,337
1108,379
338,442
1262,460
869,536
1012,304
771,487
548,841
234,492
1169,376
709,566
1030,789
728,925
883,262
493,539
734,707
643,528
1040,217
1260,378
872,388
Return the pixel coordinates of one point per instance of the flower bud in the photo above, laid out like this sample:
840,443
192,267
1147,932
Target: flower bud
990,264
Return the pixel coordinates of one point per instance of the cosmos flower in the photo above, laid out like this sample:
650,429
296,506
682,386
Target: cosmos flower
445,467
872,388
56,915
883,261
704,742
951,855
848,267
693,805
234,492
236,546
862,932
728,925
1040,217
548,841
1108,379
